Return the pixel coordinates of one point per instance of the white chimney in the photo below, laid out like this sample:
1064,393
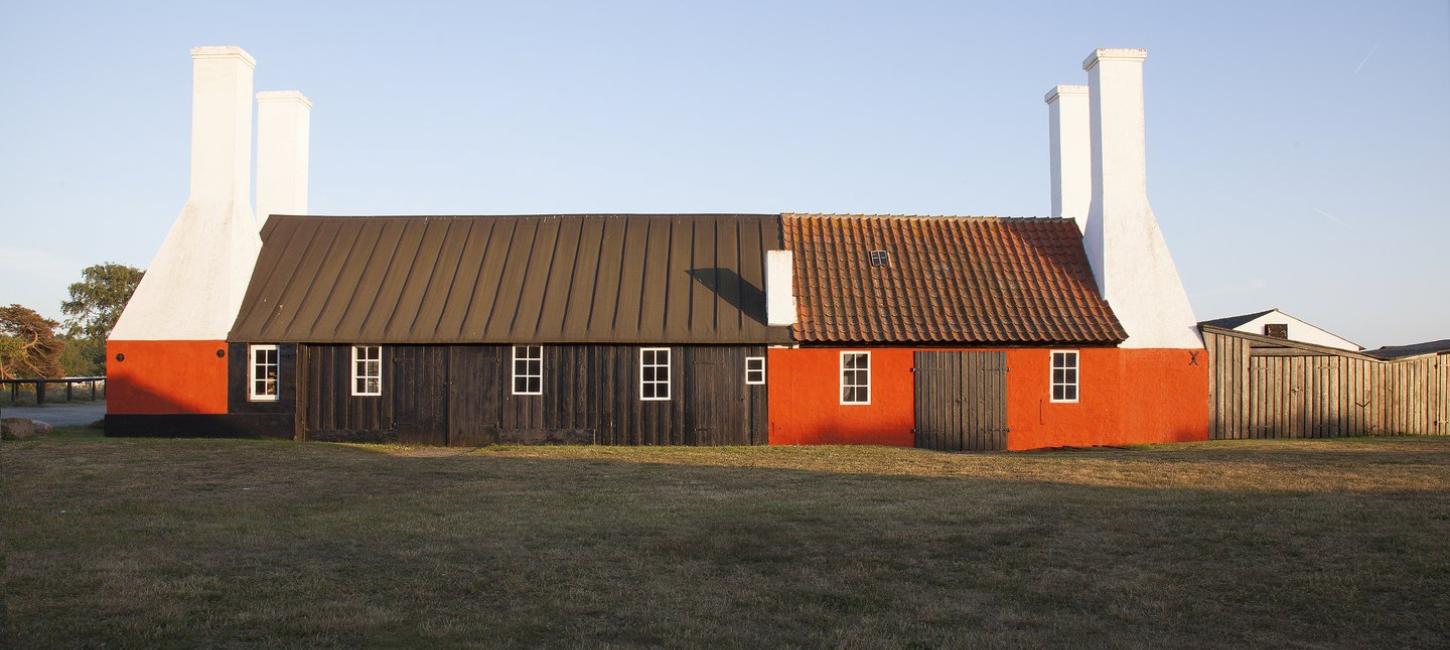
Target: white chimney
1130,260
780,307
194,285
1071,152
283,120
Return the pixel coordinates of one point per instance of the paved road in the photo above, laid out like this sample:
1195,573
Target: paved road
59,415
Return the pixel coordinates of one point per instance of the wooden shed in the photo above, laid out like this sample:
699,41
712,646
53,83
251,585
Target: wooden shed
1263,387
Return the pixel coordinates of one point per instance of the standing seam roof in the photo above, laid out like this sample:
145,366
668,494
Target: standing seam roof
512,279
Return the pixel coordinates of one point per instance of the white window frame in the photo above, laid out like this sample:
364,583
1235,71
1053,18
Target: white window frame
514,375
356,376
841,377
748,371
1052,382
669,375
252,394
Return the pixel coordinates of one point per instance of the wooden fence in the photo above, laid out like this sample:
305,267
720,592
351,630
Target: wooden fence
37,387
1262,387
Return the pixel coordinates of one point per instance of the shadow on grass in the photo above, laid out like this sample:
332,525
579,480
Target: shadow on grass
188,542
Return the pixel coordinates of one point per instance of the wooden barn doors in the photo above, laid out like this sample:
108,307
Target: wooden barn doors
961,400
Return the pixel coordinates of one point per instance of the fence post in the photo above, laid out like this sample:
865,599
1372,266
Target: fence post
40,392
68,386
93,390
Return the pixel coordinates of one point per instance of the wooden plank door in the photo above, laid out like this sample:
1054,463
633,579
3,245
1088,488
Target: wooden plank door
961,400
420,394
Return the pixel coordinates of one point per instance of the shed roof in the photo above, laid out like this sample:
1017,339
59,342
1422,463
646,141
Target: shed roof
962,280
617,278
1230,322
1411,350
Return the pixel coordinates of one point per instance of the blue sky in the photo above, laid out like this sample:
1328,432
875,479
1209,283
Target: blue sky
1299,153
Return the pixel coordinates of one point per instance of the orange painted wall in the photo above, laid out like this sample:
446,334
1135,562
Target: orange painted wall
803,392
1127,396
164,377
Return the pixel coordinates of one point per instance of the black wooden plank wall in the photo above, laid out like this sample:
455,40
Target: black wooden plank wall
961,400
267,418
461,395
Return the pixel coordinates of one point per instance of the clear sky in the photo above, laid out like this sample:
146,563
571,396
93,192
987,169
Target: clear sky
1299,152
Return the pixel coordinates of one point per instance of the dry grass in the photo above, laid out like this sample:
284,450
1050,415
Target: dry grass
189,542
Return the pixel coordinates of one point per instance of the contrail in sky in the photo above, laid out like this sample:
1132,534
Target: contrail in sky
1366,58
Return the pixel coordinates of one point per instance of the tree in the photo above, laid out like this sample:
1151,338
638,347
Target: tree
28,347
97,300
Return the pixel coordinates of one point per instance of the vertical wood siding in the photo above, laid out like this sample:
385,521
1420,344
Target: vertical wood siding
961,400
1280,389
462,395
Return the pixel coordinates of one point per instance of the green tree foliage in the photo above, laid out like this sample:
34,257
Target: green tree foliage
81,356
28,346
97,300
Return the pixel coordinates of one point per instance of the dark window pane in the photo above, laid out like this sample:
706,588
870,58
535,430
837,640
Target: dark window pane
1058,392
1070,392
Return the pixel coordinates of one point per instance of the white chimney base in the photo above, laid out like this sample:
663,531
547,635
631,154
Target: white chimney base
195,283
1130,260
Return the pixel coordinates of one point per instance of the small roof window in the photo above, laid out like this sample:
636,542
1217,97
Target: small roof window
880,258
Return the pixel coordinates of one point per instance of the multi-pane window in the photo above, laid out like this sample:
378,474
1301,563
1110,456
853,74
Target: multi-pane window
754,370
654,374
367,370
855,377
880,258
264,365
528,370
1064,376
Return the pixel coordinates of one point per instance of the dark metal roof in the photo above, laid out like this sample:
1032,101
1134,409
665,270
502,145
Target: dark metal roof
512,279
1230,322
973,280
1414,349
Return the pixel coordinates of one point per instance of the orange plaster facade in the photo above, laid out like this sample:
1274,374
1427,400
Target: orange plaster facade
1127,396
166,377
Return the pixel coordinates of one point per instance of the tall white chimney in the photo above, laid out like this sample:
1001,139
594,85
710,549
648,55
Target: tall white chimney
194,285
780,306
1130,260
1070,146
283,121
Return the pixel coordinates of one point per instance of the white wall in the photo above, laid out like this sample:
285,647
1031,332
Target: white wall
1298,331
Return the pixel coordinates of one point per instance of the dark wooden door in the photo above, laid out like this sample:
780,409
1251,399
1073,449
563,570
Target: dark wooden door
420,393
961,400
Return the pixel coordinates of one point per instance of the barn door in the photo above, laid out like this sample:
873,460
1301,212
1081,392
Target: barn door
961,400
420,393
706,392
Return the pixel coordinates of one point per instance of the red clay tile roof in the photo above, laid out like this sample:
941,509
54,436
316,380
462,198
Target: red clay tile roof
968,280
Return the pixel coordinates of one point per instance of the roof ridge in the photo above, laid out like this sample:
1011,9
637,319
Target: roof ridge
893,216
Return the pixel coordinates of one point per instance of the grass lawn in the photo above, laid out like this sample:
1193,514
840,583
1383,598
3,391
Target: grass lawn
129,542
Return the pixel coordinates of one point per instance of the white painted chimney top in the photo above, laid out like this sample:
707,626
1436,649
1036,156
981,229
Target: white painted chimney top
223,52
283,96
1114,54
1059,91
